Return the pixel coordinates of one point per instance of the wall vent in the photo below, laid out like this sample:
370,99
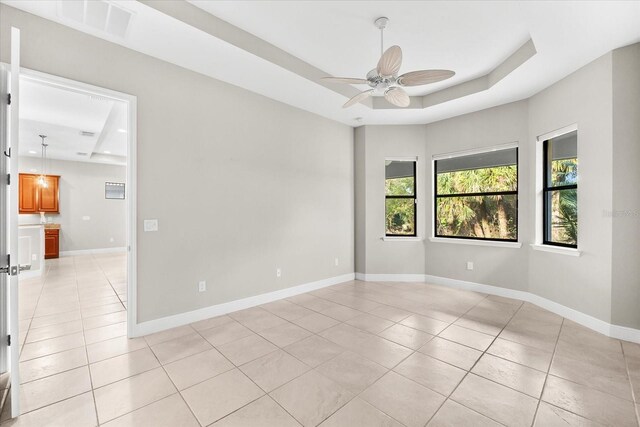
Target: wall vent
87,133
99,15
80,153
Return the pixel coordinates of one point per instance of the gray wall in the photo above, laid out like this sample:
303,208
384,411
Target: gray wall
506,267
360,200
374,144
240,184
603,99
625,294
82,194
585,98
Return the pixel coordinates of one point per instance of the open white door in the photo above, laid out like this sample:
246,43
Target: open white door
9,216
4,170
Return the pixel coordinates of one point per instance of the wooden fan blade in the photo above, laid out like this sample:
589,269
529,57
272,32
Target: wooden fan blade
348,80
397,96
423,77
390,62
359,97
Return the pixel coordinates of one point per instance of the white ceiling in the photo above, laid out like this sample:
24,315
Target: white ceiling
339,38
62,115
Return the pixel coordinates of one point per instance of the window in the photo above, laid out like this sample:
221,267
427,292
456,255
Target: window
114,190
400,198
560,190
476,196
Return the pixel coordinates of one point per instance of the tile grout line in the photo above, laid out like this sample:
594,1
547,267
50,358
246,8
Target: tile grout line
93,394
340,322
392,369
473,366
546,377
85,346
78,367
108,280
634,398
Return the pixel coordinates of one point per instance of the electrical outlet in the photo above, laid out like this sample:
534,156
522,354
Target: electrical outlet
202,286
278,272
111,239
469,265
34,257
337,262
150,225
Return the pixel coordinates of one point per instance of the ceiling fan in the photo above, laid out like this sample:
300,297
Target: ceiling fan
384,78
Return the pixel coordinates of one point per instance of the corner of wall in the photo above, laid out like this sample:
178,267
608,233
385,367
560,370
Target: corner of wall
625,212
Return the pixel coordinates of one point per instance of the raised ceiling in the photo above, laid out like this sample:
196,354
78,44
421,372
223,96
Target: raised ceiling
287,47
79,127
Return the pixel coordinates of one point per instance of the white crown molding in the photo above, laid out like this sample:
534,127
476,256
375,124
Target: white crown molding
181,319
216,27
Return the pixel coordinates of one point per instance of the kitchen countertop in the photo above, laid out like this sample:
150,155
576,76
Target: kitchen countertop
48,226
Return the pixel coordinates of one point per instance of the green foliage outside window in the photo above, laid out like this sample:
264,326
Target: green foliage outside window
400,212
564,203
478,216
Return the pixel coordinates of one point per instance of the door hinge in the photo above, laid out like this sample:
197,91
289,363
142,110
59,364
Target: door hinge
9,177
8,99
9,340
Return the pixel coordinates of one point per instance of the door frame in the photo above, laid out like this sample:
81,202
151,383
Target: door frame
131,187
4,278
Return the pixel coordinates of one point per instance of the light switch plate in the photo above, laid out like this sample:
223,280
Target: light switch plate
150,225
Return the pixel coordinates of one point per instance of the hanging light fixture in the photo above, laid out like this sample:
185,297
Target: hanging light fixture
42,180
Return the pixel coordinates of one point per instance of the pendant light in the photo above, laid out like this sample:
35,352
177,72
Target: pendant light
42,180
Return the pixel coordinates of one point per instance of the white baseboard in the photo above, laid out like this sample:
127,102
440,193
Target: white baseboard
613,331
390,277
176,320
93,251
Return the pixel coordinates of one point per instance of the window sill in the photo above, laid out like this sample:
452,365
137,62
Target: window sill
556,249
402,239
476,242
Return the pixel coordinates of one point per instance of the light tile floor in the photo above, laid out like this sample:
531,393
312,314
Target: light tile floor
354,354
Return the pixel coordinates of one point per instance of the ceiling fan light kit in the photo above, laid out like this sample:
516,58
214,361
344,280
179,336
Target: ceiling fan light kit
384,79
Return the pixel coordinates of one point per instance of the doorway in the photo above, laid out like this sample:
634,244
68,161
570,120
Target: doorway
76,214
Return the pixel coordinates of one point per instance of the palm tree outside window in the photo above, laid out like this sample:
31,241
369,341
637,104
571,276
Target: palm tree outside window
476,196
560,188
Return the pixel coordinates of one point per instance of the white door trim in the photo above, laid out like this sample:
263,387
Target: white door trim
131,101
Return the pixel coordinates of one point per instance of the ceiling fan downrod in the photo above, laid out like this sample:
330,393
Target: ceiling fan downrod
381,23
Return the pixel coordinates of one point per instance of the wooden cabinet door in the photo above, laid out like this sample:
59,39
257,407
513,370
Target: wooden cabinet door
28,193
48,196
51,244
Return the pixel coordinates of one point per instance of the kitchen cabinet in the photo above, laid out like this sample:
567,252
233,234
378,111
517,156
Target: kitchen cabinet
35,198
51,243
28,193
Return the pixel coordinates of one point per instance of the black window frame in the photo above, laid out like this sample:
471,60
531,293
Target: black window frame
546,188
415,202
489,193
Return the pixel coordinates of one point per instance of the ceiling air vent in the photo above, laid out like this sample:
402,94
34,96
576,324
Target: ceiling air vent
87,133
98,15
80,153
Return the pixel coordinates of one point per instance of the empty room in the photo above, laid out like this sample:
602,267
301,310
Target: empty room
319,213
